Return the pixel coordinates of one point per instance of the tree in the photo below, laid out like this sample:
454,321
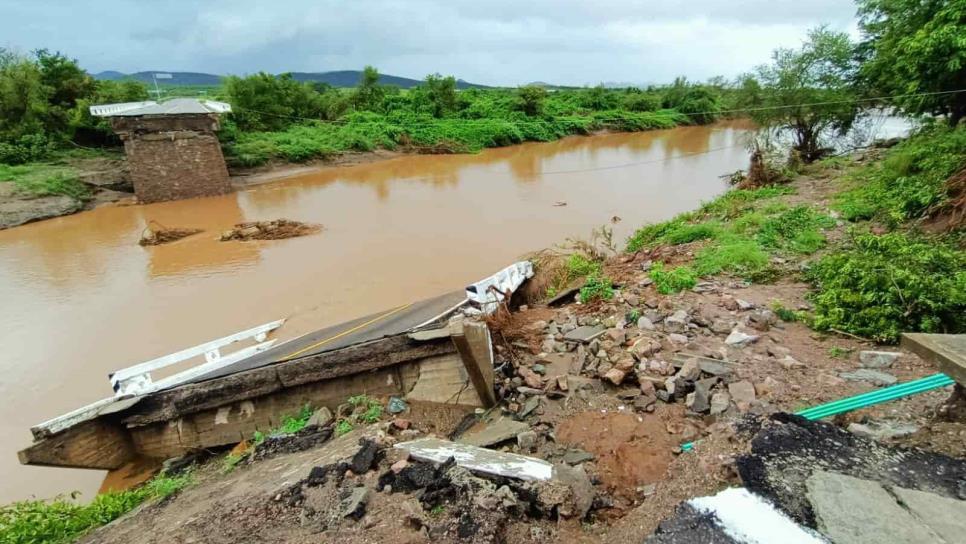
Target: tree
86,128
441,92
23,98
916,46
530,99
266,102
369,93
809,92
66,83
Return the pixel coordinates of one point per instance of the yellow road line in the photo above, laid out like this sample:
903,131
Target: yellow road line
343,333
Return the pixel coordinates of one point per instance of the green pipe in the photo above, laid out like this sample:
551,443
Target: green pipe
867,399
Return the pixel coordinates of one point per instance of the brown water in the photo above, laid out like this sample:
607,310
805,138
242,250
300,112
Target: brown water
81,298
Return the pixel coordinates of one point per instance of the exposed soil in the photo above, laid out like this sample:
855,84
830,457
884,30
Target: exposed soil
269,230
242,177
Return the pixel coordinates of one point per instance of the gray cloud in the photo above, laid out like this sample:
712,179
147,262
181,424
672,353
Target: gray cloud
504,42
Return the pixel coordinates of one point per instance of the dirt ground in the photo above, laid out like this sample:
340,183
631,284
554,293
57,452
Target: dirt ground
616,407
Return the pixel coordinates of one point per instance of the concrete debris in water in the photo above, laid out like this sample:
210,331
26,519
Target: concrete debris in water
158,236
269,230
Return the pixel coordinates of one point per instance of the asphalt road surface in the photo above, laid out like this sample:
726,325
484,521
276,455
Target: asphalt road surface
371,327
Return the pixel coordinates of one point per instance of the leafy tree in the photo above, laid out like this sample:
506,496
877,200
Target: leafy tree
530,99
699,102
808,91
97,130
369,93
441,92
916,46
23,98
266,102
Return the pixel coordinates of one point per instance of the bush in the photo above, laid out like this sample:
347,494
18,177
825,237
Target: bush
886,285
674,280
597,288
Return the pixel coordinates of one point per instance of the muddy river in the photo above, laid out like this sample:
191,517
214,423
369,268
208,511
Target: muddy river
81,298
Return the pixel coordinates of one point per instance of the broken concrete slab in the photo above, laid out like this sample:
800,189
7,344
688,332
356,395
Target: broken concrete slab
584,333
878,359
869,375
740,339
481,460
947,517
855,511
743,393
495,432
882,430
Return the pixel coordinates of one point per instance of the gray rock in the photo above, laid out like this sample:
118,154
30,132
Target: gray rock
740,339
700,400
744,304
877,359
548,345
882,430
676,338
676,322
762,320
743,393
354,506
721,326
720,401
527,440
321,417
585,333
645,324
854,511
947,517
575,457
868,375
496,432
715,369
789,363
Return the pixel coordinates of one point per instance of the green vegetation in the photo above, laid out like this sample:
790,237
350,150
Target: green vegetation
45,180
343,427
913,47
369,409
786,314
62,520
910,182
295,423
673,280
839,352
880,286
597,287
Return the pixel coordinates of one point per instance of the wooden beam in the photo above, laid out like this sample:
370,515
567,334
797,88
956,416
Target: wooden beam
473,343
96,444
947,351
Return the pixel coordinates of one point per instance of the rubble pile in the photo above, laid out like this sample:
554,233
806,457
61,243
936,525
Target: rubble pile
161,235
269,230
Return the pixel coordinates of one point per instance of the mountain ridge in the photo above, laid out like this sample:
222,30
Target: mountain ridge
336,78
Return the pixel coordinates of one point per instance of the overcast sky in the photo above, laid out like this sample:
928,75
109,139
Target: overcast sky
499,42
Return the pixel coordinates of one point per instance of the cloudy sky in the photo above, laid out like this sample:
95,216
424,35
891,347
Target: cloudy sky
498,42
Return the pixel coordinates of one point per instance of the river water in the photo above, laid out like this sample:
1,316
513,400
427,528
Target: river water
81,298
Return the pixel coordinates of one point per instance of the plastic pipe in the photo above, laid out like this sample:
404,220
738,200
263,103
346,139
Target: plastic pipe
871,398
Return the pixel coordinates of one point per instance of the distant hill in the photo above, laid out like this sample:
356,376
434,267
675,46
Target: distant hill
339,78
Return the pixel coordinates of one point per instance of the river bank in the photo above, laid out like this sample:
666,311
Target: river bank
672,361
676,358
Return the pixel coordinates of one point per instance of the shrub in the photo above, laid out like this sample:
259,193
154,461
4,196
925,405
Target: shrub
674,280
597,288
885,285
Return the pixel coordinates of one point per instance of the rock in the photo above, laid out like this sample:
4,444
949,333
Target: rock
632,299
644,347
676,338
768,386
720,401
527,440
645,324
715,369
549,345
789,363
676,322
321,417
616,335
944,515
530,377
539,369
859,511
762,320
579,496
615,376
537,326
777,351
690,370
743,393
396,405
663,396
363,460
625,363
883,430
868,375
721,326
529,390
728,302
740,339
877,359
647,265
584,333
355,505
529,406
495,432
402,424
16,210
647,387
744,304
398,466
700,400
575,457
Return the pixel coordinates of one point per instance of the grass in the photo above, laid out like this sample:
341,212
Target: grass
597,287
42,179
673,280
63,520
839,352
343,427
